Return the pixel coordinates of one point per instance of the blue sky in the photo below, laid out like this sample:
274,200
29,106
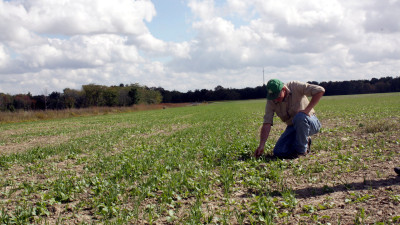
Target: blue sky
172,22
48,45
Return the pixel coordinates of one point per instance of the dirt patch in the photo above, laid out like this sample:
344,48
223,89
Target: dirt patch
41,141
32,143
7,133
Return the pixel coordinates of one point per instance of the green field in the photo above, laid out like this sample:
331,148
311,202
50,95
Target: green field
194,165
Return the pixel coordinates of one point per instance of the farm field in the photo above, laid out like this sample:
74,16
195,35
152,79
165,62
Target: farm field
194,165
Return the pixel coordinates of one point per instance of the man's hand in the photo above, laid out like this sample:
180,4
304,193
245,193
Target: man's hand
305,112
259,151
314,100
264,133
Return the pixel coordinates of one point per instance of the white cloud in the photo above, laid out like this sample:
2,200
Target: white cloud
202,9
382,17
238,7
59,44
287,33
88,42
69,17
4,57
376,47
76,52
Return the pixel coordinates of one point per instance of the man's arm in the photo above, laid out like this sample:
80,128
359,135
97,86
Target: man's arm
314,100
264,133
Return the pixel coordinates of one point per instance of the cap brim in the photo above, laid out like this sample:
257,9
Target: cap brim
272,96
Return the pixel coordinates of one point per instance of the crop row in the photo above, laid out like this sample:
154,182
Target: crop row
194,165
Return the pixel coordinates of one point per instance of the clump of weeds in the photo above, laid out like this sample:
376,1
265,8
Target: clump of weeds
195,165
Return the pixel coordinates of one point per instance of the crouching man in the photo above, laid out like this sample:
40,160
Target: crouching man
290,103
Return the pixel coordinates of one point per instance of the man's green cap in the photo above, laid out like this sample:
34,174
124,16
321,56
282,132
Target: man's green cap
274,87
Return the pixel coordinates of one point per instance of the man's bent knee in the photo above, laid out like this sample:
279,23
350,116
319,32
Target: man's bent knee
300,117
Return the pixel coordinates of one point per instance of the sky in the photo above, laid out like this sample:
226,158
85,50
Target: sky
183,45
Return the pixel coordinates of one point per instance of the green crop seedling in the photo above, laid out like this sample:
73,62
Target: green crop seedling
194,165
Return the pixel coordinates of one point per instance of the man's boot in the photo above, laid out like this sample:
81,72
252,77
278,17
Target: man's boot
397,170
309,145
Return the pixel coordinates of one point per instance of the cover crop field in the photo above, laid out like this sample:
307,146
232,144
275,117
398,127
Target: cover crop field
194,165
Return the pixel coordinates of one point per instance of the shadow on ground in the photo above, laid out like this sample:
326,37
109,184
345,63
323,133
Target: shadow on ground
367,185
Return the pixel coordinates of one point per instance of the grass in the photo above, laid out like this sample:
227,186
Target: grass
193,165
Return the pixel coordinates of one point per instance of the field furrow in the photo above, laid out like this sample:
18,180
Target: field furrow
194,165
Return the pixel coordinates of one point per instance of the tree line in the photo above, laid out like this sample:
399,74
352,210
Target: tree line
90,95
381,85
375,85
127,95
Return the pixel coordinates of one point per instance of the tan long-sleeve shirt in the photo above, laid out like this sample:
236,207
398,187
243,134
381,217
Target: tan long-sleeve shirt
295,101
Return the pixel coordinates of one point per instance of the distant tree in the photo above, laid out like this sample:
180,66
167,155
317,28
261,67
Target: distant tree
38,102
72,98
382,86
22,101
176,96
395,85
374,81
126,95
6,102
167,95
133,95
123,97
110,96
93,95
56,101
313,82
149,96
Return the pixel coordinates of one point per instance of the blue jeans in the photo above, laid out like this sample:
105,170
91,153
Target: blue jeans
294,140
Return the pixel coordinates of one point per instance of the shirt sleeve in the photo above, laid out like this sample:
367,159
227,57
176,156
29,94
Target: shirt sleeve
269,114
